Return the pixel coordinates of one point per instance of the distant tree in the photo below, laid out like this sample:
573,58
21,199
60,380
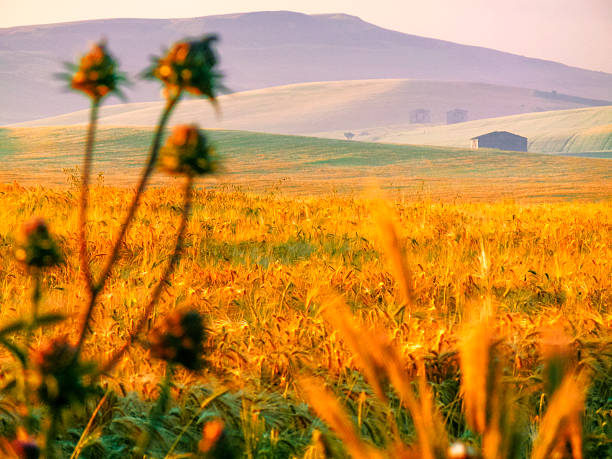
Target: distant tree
349,135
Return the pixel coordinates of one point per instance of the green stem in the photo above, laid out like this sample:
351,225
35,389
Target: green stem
176,254
85,175
98,286
25,389
36,295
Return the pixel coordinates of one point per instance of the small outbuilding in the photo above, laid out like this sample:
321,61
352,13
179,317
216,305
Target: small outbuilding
420,115
456,115
503,140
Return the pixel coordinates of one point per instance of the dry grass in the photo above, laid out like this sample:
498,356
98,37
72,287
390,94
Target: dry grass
260,267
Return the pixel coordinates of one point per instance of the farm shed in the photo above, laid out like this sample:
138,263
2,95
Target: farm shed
502,140
420,115
456,115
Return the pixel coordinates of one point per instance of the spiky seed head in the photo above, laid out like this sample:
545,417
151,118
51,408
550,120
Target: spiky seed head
60,373
22,447
211,433
189,65
188,151
459,450
97,73
26,449
179,339
37,247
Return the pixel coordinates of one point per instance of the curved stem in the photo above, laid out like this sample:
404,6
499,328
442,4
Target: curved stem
139,190
187,202
36,296
87,160
98,286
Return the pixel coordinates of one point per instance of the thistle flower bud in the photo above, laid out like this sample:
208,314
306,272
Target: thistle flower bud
97,73
459,450
60,374
215,442
188,66
24,446
187,151
38,247
211,433
179,339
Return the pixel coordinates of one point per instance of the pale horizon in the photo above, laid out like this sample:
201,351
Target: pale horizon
574,33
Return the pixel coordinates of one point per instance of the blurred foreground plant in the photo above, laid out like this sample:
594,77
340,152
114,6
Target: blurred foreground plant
55,371
491,405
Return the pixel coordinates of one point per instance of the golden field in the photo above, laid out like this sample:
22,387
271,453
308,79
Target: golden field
265,269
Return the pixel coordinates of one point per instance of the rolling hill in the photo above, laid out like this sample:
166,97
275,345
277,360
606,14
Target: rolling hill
309,108
307,165
584,130
266,49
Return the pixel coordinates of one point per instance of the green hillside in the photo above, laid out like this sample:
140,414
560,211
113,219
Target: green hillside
310,165
584,130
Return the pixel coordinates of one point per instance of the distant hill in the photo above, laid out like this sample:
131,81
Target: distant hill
262,50
355,106
584,130
308,165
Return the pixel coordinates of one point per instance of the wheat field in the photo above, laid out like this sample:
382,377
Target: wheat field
283,373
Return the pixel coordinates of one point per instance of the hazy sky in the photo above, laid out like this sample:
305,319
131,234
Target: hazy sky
575,32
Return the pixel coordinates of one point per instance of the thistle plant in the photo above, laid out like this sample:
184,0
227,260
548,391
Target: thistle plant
196,58
179,339
60,375
62,380
55,371
187,152
188,66
97,74
38,248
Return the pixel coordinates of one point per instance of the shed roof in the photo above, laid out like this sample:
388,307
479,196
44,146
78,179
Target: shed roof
498,132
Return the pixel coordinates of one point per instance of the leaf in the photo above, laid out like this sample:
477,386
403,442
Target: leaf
13,327
16,351
48,319
10,385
